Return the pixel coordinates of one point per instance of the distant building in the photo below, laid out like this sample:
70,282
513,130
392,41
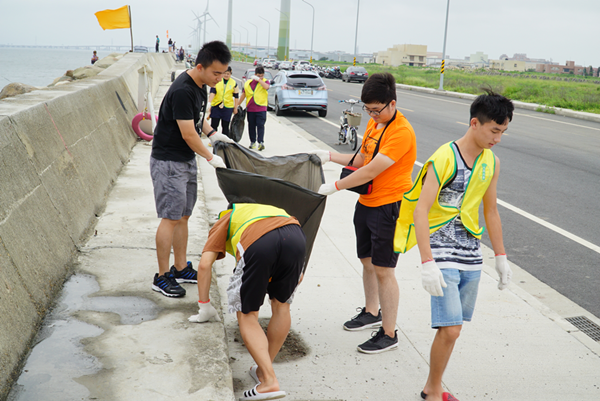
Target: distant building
478,58
406,54
508,65
568,68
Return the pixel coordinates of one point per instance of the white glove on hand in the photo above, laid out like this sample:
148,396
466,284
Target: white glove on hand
328,189
216,137
324,155
205,313
216,161
255,78
432,279
504,271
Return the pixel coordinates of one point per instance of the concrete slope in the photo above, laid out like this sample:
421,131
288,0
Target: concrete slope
61,150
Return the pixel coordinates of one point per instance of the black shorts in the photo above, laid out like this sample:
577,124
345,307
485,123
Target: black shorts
375,228
272,265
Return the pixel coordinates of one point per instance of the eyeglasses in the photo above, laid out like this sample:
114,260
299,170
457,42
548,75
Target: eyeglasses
375,112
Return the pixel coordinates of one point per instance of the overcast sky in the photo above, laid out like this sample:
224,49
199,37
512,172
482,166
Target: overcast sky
551,29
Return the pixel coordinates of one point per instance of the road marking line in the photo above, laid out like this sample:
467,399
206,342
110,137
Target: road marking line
404,109
517,114
557,121
544,223
551,226
460,122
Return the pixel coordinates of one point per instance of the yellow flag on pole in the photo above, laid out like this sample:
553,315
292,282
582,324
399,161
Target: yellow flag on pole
114,19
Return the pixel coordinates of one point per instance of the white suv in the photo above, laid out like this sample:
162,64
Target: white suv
268,63
303,65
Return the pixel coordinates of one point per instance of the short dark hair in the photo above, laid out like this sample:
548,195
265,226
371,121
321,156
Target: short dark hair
259,70
379,88
228,69
492,107
211,51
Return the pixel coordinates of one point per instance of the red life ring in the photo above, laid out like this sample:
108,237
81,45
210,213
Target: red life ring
135,124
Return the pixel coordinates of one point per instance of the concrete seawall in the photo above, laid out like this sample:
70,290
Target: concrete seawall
61,150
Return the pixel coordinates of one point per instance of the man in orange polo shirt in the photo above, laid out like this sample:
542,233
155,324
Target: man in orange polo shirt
387,155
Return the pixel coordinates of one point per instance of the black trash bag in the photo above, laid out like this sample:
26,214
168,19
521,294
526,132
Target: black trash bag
238,122
302,169
289,182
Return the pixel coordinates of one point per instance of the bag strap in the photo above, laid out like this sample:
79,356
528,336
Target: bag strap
378,142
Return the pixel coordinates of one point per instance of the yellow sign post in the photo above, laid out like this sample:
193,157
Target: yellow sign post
354,63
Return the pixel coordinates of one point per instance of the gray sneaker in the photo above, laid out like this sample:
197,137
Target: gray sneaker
364,320
379,342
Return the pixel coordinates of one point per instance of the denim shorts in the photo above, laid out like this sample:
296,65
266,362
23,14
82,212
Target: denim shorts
175,187
459,298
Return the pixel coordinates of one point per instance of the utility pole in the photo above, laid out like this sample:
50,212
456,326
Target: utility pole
441,88
229,20
312,36
268,38
256,48
356,32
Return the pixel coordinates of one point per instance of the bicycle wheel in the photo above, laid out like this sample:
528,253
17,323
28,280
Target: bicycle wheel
342,135
353,138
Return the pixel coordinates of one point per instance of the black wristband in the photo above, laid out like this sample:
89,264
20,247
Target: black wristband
210,133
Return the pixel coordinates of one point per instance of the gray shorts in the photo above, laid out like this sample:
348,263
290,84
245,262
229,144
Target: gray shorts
175,187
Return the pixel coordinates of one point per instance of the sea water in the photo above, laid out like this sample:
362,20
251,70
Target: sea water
39,66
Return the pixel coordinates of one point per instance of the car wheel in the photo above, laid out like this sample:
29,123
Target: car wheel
278,111
323,113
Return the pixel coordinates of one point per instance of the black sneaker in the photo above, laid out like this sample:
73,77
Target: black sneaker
187,275
379,342
167,285
364,320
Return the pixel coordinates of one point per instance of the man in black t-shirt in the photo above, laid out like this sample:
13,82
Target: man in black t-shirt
173,163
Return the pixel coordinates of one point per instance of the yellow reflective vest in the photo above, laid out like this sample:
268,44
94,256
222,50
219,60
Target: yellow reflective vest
242,216
224,93
260,94
444,166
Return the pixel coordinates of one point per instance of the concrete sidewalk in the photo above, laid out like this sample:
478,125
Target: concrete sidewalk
516,348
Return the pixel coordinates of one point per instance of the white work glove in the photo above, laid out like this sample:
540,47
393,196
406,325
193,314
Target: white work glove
216,137
328,189
255,78
504,271
432,279
205,313
324,155
216,161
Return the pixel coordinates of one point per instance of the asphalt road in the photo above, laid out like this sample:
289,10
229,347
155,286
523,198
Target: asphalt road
550,169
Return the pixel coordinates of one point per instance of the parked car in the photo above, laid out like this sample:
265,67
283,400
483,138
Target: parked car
268,62
285,65
250,71
352,73
298,90
255,62
294,64
276,65
303,65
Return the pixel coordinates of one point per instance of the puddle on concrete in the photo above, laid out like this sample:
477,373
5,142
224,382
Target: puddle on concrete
58,356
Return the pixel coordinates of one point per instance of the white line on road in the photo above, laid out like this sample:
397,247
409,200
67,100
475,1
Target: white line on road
544,223
516,114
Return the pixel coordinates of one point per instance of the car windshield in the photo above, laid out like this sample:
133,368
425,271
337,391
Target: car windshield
304,81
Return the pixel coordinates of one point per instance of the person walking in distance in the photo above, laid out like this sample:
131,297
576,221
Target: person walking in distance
386,157
256,95
441,214
222,100
157,43
173,163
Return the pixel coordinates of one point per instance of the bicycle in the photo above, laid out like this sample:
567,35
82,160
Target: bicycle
349,122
